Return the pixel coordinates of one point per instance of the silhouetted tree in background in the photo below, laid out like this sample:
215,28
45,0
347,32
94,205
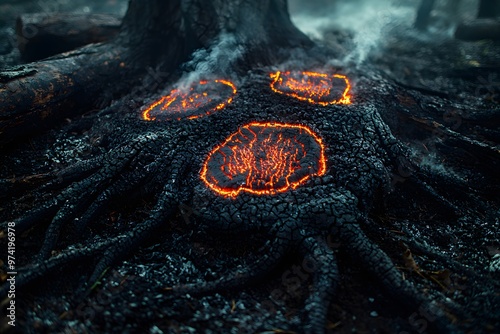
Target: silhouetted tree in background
488,8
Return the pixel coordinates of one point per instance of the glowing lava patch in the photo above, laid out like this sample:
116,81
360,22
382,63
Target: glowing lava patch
198,100
313,87
264,159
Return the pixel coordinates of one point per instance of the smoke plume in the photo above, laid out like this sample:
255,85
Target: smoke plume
362,24
216,60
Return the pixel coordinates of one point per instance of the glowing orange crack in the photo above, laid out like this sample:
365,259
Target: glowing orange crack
313,87
264,159
199,100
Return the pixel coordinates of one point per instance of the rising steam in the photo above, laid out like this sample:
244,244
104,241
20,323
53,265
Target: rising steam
366,21
218,60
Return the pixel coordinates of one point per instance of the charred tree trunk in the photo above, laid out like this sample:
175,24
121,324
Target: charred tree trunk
158,34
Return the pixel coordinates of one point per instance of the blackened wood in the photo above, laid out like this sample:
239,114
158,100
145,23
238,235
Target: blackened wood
260,26
43,35
488,8
33,96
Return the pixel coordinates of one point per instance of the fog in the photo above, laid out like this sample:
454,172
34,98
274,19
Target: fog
364,24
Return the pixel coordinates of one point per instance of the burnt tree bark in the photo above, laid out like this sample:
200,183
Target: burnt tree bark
157,34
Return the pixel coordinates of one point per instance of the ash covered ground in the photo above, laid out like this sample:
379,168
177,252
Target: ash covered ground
451,82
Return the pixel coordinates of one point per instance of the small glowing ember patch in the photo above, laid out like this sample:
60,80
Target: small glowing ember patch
199,100
264,159
316,88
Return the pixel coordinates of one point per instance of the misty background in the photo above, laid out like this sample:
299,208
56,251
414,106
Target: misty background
353,28
357,27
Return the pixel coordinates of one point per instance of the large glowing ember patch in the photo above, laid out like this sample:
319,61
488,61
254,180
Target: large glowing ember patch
264,159
313,87
198,100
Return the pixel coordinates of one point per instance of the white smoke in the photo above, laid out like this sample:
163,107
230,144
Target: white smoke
218,60
367,22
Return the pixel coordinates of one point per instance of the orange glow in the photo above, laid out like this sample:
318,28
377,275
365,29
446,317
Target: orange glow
199,100
313,87
264,159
